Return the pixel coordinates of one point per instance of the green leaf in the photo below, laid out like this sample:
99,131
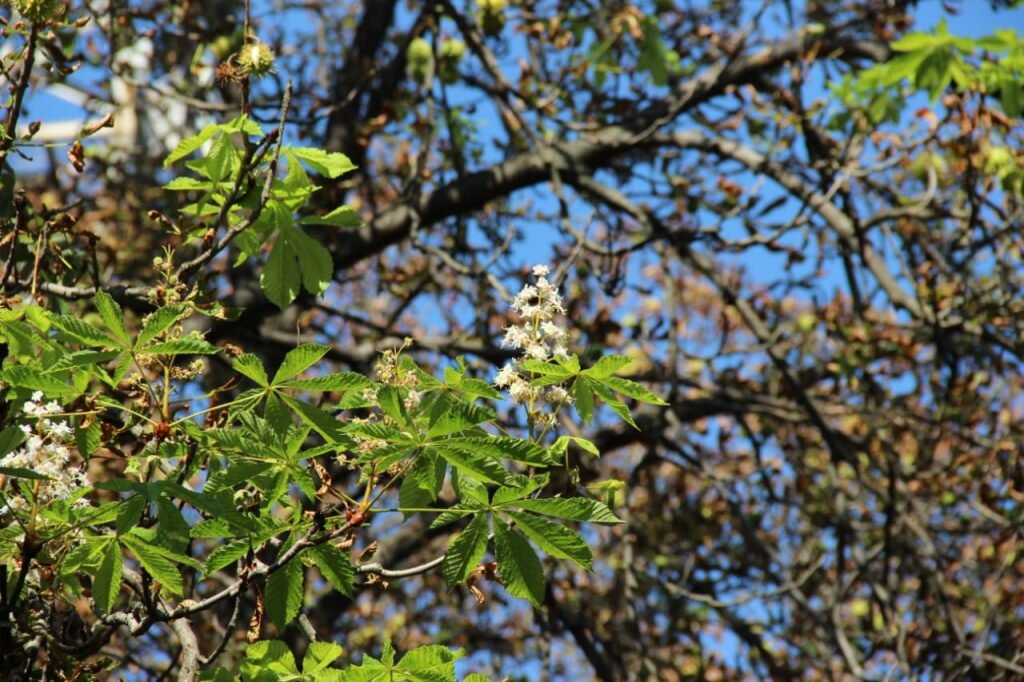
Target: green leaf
520,569
334,565
572,508
633,390
283,595
186,345
459,417
18,472
225,555
343,216
108,578
516,449
390,399
113,317
315,263
328,164
29,377
190,144
159,322
518,488
299,359
82,331
269,661
469,489
481,467
322,422
185,184
280,279
128,513
251,366
554,539
547,368
607,366
422,482
617,406
431,663
466,551
583,397
319,655
339,381
153,560
10,438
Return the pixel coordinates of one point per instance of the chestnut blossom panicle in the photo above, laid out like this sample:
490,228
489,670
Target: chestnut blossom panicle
45,451
539,336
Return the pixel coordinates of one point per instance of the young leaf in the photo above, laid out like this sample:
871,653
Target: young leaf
328,164
154,561
430,663
113,317
299,359
190,144
251,366
618,407
583,396
335,566
339,381
483,468
83,332
607,366
319,655
572,508
108,579
186,345
343,216
280,279
520,569
159,322
633,390
315,263
458,417
465,552
283,596
516,449
554,539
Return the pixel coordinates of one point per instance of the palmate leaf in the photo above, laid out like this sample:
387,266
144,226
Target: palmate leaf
572,509
283,596
430,663
280,279
334,565
466,551
520,569
339,381
112,316
607,366
299,359
251,366
516,449
83,332
633,390
482,467
328,164
156,564
451,418
159,322
554,539
186,345
108,578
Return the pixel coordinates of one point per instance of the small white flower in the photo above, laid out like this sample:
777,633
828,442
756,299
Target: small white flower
37,396
541,270
520,391
506,376
556,394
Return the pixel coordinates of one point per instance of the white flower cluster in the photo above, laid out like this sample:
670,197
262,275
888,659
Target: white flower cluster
45,452
538,336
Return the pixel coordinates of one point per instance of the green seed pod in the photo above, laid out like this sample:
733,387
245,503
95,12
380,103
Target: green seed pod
419,58
38,11
256,60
